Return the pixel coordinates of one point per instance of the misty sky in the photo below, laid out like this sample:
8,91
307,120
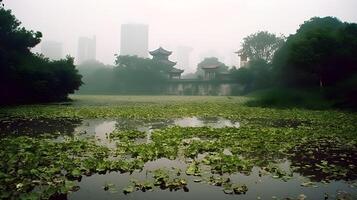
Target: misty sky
210,27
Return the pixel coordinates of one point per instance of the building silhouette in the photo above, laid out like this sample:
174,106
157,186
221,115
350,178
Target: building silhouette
52,50
134,40
86,49
244,59
161,55
183,56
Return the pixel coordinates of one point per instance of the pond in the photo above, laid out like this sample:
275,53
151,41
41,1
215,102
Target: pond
197,157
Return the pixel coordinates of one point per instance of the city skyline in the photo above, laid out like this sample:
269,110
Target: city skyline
172,23
86,49
134,40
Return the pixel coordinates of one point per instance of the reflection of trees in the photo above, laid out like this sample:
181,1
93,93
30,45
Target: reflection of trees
59,197
325,159
279,123
39,126
132,124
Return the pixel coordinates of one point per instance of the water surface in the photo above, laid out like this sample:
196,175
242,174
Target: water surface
259,186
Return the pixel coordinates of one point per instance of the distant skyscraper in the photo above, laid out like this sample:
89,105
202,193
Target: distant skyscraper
134,40
52,50
183,57
86,49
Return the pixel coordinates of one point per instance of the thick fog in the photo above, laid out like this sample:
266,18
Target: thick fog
209,27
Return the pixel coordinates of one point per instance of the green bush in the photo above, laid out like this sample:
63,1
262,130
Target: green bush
290,98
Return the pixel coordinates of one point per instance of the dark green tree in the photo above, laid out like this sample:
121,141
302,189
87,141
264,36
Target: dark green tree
140,75
26,77
322,54
97,78
256,75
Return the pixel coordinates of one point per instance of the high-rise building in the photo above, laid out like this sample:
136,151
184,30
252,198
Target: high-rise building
183,56
86,49
134,40
52,50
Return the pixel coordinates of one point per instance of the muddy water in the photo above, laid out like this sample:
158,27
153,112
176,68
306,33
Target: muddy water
260,187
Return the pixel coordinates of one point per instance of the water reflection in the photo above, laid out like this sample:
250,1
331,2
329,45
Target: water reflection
324,160
34,127
279,123
101,128
98,128
209,122
320,160
260,187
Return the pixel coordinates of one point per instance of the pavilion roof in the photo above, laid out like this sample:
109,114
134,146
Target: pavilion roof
175,70
211,66
160,50
168,63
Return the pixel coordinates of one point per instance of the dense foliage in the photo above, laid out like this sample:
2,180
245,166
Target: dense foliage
321,54
140,75
317,62
26,77
130,75
255,76
261,46
97,77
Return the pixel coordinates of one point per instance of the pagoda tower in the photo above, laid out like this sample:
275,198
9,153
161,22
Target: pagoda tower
162,56
243,58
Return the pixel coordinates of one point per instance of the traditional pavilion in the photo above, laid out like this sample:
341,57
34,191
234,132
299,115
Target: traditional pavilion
162,56
210,72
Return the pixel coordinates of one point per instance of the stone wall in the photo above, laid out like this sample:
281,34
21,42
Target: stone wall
202,88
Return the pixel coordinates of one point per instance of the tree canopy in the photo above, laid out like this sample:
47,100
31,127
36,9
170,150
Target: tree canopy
135,74
321,54
261,46
26,77
256,75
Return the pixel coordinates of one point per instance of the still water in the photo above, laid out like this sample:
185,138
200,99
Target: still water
260,187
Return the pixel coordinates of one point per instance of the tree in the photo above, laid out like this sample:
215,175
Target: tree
321,54
140,75
26,77
257,75
261,46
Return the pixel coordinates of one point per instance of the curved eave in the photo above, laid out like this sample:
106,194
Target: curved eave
160,51
169,63
176,71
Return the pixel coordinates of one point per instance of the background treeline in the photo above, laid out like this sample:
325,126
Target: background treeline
26,77
133,75
130,75
316,67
